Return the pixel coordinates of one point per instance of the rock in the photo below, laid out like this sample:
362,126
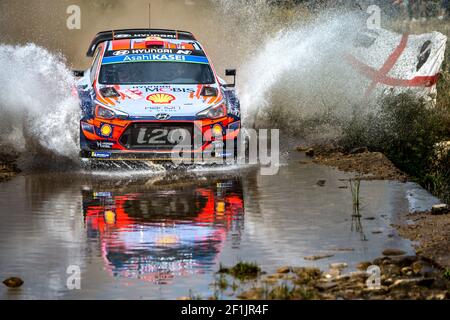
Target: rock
314,258
339,265
393,252
406,271
437,296
274,276
358,150
270,280
344,249
359,275
382,260
321,183
333,273
343,277
440,209
325,286
301,148
409,283
377,290
13,282
403,261
310,152
249,295
284,270
328,296
363,265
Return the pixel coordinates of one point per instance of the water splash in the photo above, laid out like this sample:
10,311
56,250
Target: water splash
39,114
300,69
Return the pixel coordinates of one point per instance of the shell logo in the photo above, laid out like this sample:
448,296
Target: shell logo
160,98
106,130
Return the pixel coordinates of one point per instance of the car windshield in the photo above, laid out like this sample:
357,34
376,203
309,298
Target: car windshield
156,73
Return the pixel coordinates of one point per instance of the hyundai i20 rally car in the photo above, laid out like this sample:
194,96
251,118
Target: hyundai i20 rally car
152,94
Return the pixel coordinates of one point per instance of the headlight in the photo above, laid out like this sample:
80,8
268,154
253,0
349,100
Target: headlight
104,113
214,112
209,92
109,92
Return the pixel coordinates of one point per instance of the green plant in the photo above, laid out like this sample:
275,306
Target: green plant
407,130
281,292
355,188
242,270
222,282
446,274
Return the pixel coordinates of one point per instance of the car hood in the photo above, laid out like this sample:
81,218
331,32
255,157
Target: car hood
150,100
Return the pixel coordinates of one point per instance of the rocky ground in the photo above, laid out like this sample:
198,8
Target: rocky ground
401,277
431,233
8,167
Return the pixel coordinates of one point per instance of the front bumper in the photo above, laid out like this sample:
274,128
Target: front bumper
114,143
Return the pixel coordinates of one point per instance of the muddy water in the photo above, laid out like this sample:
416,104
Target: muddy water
157,236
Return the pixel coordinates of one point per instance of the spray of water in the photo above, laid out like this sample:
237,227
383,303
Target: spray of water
38,113
301,68
290,64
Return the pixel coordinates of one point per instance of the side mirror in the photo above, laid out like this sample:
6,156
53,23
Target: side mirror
231,73
78,73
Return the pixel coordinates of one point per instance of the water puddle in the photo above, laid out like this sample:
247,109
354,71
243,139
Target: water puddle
159,236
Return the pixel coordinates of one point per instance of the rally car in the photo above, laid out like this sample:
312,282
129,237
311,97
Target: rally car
152,94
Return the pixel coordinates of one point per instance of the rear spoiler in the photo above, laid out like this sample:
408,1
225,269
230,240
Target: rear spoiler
136,33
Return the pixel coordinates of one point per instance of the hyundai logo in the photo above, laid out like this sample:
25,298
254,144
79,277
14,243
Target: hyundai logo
121,52
163,116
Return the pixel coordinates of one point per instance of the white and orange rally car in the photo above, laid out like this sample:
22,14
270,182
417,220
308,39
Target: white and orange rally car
150,93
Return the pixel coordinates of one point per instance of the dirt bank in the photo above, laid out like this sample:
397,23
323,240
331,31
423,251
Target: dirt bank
368,165
431,234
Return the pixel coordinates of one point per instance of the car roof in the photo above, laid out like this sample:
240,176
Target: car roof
140,43
113,35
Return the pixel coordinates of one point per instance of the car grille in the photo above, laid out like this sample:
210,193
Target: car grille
157,136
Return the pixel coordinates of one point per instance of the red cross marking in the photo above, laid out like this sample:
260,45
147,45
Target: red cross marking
380,76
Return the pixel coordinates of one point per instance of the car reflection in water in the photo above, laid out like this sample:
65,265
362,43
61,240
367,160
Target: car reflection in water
161,232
